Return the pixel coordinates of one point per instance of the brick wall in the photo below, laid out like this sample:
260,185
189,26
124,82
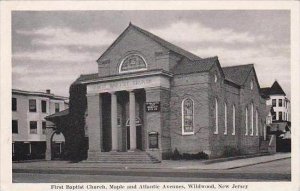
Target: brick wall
195,87
156,56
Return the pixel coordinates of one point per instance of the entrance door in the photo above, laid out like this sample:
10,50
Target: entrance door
138,137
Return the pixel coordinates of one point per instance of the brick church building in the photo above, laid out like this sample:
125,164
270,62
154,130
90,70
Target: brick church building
152,97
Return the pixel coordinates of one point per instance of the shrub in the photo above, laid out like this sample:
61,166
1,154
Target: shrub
176,155
230,151
187,156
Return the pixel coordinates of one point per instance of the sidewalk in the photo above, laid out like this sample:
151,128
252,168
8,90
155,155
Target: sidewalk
164,165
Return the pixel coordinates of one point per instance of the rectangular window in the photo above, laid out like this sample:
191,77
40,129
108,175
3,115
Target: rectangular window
32,105
15,126
44,127
274,102
14,104
56,107
33,127
280,103
44,106
280,116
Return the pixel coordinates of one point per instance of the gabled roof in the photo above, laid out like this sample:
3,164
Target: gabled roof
155,38
238,74
195,66
86,77
275,89
58,114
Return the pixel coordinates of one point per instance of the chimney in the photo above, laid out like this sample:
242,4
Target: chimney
48,91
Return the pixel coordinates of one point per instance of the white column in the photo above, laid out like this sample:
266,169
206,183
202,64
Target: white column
132,120
114,127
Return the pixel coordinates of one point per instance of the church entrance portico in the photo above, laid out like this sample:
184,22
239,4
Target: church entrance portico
117,118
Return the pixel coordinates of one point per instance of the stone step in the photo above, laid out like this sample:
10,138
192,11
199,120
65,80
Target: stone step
126,158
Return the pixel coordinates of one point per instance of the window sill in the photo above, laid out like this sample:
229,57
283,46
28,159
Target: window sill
188,133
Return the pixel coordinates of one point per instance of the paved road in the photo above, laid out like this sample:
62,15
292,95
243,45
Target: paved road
272,171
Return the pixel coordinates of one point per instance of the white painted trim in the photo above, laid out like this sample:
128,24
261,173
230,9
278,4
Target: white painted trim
182,117
137,70
225,120
246,120
216,117
233,120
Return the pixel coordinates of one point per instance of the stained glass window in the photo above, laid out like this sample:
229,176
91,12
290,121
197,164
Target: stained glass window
188,116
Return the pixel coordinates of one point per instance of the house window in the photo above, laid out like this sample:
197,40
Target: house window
216,117
14,104
32,105
187,116
246,121
56,107
251,84
44,127
225,115
33,127
44,106
274,116
280,116
256,122
274,102
280,103
252,120
233,120
15,126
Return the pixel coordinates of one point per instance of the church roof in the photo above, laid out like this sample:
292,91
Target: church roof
195,66
167,44
158,40
237,74
275,89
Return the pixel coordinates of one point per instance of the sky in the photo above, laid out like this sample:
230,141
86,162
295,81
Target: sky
50,49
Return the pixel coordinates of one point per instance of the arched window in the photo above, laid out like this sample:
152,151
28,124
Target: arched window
216,117
225,115
256,122
252,120
233,120
132,63
187,110
246,121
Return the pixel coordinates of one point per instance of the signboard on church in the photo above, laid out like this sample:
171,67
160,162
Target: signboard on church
152,106
153,140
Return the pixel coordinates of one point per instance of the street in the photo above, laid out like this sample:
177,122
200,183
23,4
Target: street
272,171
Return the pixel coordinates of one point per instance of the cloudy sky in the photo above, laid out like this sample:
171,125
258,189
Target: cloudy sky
51,49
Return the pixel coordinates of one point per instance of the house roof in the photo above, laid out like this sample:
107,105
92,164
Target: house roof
58,114
157,39
237,74
195,66
275,89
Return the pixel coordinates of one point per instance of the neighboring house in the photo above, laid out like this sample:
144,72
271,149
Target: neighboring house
153,97
29,110
279,115
276,98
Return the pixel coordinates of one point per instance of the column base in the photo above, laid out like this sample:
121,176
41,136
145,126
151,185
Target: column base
93,155
132,150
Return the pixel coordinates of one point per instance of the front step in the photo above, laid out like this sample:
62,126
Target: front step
126,158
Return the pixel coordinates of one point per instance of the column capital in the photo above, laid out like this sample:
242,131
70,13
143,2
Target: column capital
130,90
112,92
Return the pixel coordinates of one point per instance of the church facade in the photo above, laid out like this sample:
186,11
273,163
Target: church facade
154,97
